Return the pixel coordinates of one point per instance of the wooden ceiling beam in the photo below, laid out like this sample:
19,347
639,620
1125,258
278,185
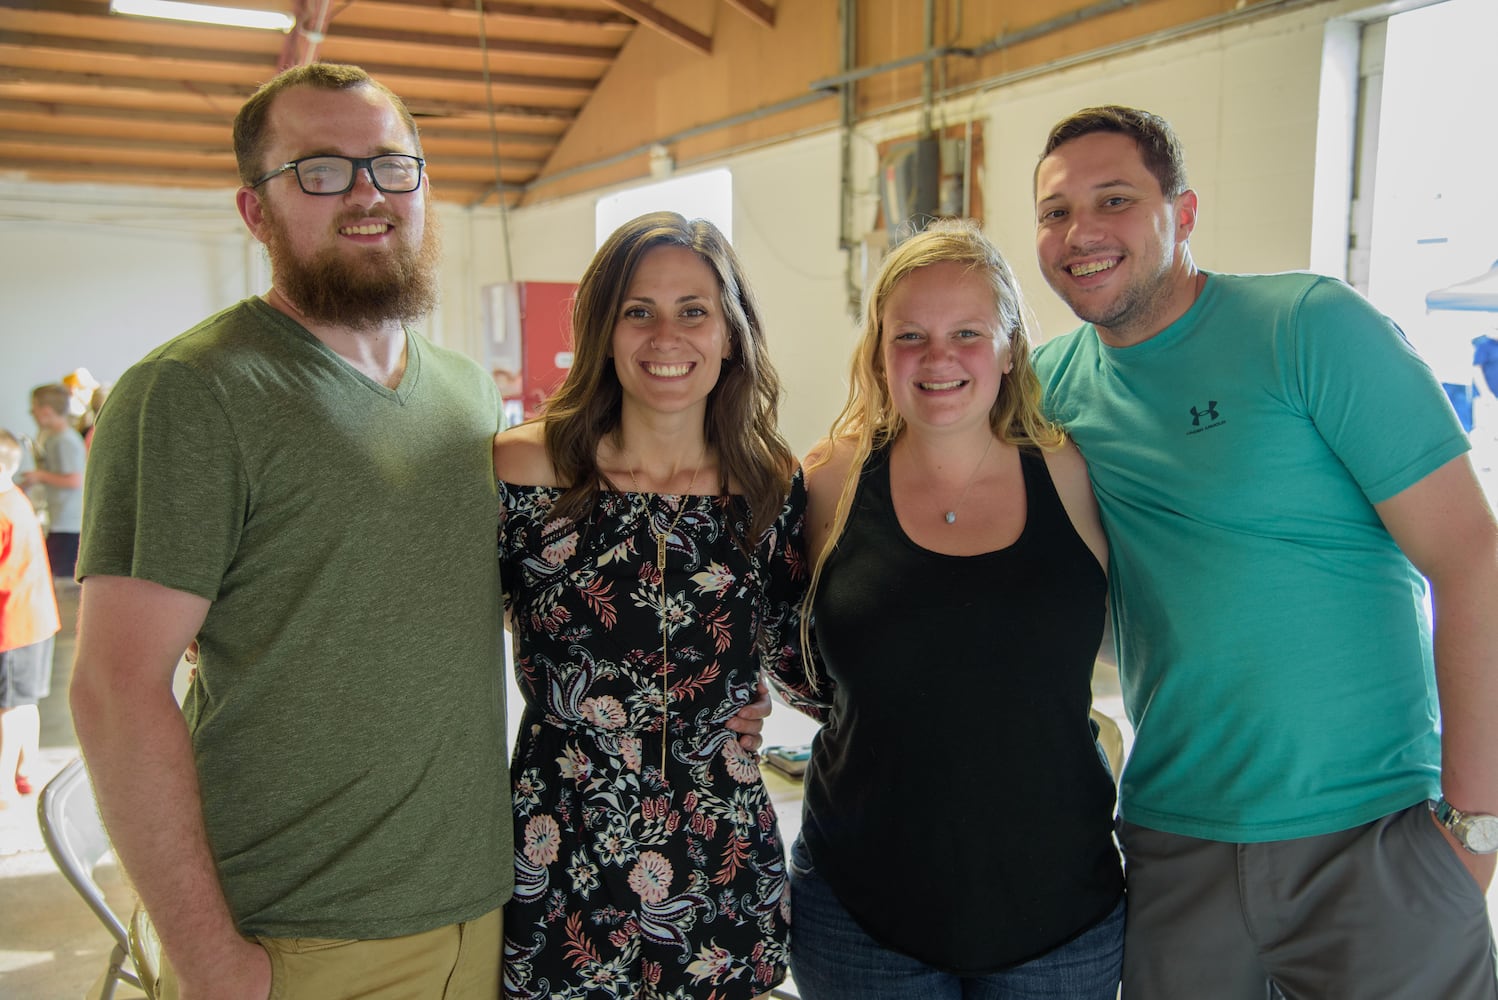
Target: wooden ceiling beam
460,130
446,147
428,110
453,42
755,9
578,87
665,24
125,88
73,19
69,112
67,46
76,28
469,43
561,16
16,125
114,95
154,64
109,157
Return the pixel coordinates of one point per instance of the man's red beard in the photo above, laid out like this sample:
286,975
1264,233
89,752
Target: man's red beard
357,291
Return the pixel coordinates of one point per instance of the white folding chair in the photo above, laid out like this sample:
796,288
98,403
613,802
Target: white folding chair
77,842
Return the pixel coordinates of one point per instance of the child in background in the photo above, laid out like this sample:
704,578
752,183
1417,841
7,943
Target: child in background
28,623
60,458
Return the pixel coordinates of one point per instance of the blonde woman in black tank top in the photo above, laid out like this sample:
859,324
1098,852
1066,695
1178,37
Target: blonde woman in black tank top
957,829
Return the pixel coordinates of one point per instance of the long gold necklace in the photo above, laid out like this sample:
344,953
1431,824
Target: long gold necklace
660,567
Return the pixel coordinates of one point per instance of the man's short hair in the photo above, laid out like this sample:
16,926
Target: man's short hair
252,123
1158,145
56,398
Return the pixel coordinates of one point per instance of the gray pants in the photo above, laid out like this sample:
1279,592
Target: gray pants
1384,910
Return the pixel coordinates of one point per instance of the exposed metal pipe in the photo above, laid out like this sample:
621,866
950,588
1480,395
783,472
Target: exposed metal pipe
847,13
504,209
928,69
1214,22
853,76
833,85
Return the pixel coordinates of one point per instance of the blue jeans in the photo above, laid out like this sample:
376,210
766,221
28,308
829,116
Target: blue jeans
833,959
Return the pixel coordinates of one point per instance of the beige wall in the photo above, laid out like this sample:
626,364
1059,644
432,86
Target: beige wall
1244,98
97,277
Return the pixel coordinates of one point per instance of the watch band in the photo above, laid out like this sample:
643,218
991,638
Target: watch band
1476,832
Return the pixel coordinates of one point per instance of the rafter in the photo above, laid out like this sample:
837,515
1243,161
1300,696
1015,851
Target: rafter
665,24
564,16
496,46
756,9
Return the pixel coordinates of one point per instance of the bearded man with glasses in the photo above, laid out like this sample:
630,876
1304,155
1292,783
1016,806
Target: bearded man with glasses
303,487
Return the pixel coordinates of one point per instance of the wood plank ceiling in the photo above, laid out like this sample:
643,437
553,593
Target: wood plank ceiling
91,97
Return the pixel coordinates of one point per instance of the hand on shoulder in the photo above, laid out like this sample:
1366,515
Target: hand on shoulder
520,456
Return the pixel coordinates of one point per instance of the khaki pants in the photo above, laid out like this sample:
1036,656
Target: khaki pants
456,962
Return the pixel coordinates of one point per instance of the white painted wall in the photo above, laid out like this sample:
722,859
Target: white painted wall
96,277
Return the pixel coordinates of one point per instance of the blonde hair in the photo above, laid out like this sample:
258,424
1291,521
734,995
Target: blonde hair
10,454
869,420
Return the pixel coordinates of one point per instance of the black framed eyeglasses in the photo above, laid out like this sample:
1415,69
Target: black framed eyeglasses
392,173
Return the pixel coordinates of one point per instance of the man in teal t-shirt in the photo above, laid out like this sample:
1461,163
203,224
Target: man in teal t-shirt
1279,475
304,488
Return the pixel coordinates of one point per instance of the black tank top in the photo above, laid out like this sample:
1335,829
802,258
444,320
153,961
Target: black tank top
957,801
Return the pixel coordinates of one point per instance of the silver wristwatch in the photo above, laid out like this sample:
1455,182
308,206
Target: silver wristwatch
1474,831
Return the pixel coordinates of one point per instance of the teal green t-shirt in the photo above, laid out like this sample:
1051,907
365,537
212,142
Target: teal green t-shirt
347,713
1273,641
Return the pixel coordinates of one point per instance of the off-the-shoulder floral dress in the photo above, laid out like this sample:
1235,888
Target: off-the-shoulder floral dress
629,882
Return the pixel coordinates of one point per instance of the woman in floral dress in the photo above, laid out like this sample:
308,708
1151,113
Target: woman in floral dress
652,563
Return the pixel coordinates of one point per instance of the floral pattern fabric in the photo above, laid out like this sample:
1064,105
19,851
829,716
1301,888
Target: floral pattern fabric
633,881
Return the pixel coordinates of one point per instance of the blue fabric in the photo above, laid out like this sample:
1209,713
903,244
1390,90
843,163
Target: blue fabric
1485,356
1262,612
1461,401
832,958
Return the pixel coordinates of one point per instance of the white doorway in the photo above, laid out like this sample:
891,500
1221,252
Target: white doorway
1433,217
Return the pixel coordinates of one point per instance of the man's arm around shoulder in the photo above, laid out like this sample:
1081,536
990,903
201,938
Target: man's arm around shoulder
131,634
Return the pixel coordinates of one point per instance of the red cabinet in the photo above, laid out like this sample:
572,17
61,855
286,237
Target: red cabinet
529,340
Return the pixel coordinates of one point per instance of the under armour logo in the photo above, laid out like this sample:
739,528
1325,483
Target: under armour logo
1210,413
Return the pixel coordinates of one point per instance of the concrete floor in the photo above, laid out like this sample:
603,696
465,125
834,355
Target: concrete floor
52,947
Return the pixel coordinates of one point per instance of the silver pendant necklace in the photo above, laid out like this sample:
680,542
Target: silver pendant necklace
951,516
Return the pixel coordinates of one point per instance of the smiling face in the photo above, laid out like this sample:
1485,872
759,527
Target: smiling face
670,339
943,346
357,259
1109,242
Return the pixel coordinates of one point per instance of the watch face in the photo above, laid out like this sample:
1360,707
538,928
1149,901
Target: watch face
1482,834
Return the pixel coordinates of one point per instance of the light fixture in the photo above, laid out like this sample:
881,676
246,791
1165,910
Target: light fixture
205,13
